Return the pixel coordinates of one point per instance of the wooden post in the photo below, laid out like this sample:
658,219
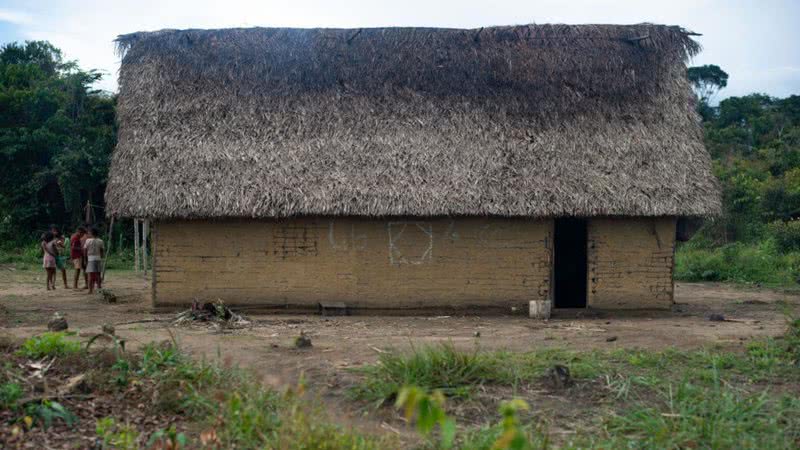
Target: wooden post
145,231
88,212
108,249
136,244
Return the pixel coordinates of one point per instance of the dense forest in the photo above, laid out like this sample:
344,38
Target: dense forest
57,133
56,136
754,142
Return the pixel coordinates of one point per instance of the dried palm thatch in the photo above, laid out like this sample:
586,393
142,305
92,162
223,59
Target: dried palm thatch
534,120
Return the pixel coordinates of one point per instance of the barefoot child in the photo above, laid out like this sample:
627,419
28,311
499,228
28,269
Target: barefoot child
61,257
94,250
76,242
49,259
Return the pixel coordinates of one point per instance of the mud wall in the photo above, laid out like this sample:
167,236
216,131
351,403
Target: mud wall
631,263
437,263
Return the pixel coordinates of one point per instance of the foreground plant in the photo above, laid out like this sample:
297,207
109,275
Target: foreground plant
427,410
47,345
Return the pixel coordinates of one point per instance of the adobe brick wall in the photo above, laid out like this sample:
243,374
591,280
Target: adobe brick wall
437,263
631,263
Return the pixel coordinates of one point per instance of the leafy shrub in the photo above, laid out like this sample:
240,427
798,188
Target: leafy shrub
786,235
429,412
158,357
168,438
24,257
9,394
114,435
743,263
47,411
48,344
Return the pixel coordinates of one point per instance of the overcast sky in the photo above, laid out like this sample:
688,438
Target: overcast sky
756,42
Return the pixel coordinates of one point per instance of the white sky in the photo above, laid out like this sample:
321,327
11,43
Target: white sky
756,42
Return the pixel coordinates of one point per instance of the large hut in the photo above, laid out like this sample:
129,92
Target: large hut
411,168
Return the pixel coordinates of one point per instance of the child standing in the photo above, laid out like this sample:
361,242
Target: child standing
50,253
76,256
94,250
61,257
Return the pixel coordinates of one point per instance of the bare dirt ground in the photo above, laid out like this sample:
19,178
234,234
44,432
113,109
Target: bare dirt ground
339,343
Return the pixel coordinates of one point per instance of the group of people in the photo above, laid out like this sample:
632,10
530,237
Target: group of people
84,249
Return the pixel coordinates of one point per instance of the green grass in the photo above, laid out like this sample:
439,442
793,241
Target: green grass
457,373
706,398
686,415
442,368
10,392
741,263
242,412
30,258
48,344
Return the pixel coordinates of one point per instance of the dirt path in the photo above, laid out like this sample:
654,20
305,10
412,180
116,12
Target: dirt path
341,342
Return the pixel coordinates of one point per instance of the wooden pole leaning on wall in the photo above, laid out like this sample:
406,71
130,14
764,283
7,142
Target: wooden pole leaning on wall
145,232
136,244
108,249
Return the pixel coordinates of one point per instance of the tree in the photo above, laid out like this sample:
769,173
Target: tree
707,80
56,135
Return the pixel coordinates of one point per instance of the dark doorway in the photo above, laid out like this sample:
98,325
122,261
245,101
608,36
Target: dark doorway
569,263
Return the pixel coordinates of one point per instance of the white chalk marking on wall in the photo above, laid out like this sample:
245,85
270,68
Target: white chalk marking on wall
357,241
451,232
396,231
331,239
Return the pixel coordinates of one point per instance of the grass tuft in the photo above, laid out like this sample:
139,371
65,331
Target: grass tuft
48,344
442,368
690,415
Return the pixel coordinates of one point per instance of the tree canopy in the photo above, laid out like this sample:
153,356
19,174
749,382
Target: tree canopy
56,137
707,80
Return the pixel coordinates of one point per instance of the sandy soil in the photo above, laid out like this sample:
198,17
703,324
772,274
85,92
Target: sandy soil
350,341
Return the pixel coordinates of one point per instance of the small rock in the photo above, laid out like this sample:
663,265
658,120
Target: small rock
559,376
302,341
108,296
57,323
611,339
715,317
109,329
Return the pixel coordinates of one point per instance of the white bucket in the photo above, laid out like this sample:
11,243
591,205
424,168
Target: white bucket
540,309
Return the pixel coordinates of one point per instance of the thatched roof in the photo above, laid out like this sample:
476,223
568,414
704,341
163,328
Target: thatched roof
534,120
